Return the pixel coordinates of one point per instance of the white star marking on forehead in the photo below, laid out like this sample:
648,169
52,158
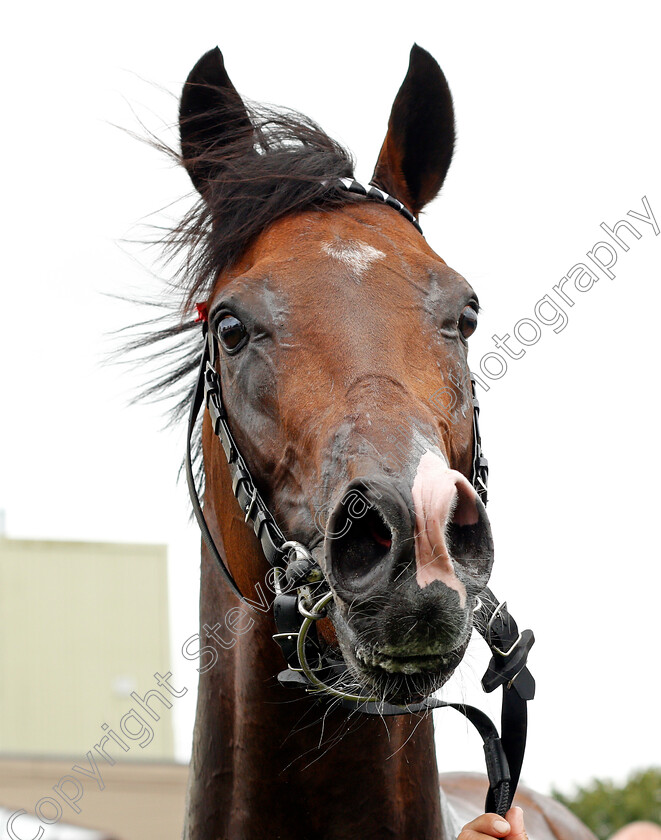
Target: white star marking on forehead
357,256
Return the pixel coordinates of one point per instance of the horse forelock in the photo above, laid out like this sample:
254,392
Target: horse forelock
286,169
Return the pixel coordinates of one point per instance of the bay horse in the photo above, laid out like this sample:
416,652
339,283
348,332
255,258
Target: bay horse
331,327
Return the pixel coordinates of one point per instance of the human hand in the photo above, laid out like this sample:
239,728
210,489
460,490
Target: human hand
491,825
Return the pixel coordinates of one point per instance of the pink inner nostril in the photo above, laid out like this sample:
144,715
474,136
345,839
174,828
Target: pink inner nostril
381,540
465,511
380,533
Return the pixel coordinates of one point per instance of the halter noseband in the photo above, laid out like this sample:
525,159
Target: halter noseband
302,593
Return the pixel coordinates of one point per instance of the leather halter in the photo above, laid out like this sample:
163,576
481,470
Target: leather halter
302,592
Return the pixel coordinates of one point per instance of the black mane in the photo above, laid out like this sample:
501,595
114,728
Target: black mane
283,171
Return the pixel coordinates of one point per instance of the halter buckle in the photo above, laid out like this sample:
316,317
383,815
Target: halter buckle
251,506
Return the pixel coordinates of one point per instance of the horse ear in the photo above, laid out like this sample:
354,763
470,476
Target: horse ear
212,118
417,151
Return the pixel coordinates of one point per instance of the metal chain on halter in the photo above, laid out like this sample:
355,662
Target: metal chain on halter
302,593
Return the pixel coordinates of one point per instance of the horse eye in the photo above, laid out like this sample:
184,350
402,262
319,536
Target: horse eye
467,322
231,333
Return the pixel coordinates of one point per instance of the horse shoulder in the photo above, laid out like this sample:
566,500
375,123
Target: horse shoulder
546,819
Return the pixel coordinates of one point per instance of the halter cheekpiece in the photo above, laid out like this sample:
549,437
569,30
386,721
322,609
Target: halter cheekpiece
302,593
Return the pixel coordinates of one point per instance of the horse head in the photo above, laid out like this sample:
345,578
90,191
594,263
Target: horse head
343,341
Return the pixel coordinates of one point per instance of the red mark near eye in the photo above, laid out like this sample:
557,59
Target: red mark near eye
202,313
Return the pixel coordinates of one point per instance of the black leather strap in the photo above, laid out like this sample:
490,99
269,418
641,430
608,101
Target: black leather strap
207,392
501,791
508,669
196,405
480,470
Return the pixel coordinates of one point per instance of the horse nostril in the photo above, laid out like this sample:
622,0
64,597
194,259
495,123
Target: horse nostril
363,531
469,541
364,543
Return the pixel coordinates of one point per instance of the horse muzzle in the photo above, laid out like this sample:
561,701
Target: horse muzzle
405,567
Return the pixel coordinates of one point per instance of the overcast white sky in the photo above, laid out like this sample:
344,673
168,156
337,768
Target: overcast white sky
558,125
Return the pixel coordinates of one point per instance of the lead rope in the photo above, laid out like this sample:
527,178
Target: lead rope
507,668
298,580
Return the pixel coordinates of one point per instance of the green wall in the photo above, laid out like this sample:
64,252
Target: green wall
82,625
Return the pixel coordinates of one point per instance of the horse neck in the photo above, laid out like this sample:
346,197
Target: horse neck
271,762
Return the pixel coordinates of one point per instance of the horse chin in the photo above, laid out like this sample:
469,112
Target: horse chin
401,673
406,678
